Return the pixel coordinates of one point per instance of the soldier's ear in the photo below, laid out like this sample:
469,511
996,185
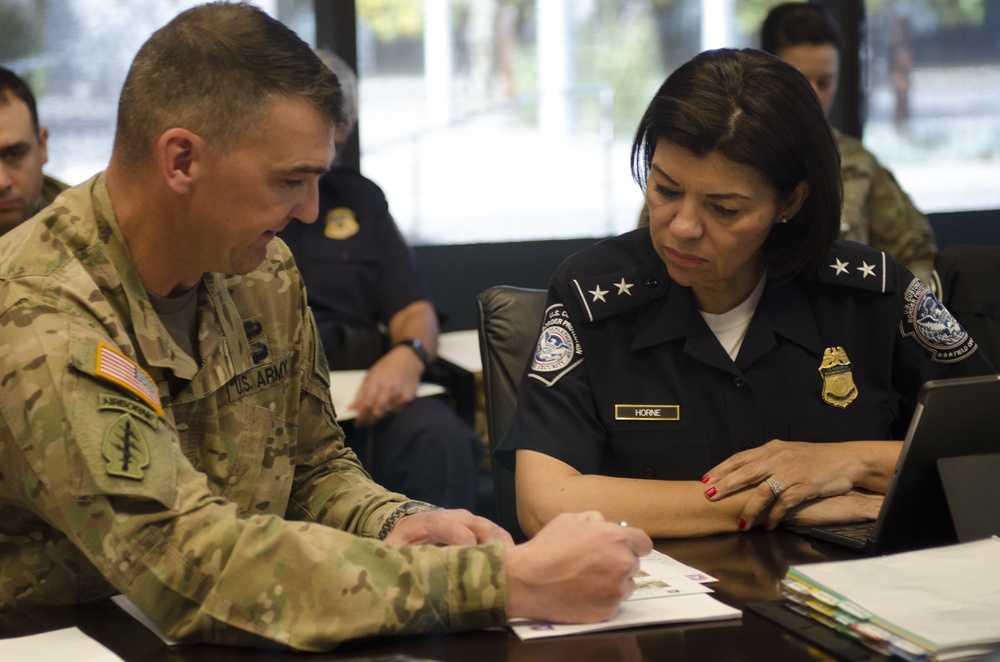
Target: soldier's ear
178,156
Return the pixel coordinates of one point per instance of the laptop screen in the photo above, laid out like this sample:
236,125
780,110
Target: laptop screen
953,418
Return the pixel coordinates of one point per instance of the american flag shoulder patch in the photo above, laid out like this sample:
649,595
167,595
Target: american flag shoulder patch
115,367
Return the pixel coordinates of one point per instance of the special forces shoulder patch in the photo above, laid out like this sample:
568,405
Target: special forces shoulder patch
558,350
125,449
928,322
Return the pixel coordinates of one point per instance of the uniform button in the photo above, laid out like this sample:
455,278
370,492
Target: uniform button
738,382
651,282
648,473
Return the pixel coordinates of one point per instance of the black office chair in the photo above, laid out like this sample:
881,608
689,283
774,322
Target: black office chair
970,288
509,319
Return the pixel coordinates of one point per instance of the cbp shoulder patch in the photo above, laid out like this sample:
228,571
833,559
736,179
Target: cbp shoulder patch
926,320
558,350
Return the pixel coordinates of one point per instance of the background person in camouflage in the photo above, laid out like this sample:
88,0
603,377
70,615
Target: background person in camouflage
24,190
876,210
166,429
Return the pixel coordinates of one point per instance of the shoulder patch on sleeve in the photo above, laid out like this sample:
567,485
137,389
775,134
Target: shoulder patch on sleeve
928,322
859,266
111,365
602,296
558,350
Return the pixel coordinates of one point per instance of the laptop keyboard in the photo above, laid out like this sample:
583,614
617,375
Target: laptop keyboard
861,532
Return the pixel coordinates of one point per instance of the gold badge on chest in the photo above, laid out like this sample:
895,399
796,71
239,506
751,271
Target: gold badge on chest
340,223
839,389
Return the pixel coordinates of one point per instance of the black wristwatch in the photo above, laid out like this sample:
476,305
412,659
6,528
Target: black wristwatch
406,508
417,347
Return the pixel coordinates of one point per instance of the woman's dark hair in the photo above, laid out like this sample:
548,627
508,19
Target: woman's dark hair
752,108
796,23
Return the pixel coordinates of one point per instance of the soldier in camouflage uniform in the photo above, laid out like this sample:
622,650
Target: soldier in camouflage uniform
876,210
166,430
24,189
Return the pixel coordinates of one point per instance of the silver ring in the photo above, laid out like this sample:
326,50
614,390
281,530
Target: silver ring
623,523
775,486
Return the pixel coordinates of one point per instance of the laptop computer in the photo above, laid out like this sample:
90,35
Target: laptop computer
953,418
972,486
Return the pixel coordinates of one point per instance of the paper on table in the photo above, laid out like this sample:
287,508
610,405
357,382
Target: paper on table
344,384
633,613
940,598
68,644
461,349
681,599
661,565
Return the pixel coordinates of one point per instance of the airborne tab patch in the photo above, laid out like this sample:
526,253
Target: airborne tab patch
106,401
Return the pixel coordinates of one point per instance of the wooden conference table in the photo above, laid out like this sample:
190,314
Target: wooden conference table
748,565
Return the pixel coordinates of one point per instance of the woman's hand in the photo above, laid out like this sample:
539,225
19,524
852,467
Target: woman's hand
787,474
855,506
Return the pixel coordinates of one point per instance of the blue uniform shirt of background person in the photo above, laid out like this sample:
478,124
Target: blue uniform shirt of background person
359,272
628,380
358,269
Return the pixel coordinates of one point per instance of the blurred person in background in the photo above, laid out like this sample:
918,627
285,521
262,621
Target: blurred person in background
24,189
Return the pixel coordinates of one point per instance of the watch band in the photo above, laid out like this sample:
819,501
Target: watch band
417,347
405,508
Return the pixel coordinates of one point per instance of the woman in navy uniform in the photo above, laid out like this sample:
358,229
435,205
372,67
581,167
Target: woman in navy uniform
684,372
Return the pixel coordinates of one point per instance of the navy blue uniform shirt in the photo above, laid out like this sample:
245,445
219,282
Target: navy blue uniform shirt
628,380
358,268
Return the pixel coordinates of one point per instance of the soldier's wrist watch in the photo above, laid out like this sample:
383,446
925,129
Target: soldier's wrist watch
405,508
417,347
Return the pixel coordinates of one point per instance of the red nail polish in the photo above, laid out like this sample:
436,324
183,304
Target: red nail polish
743,524
710,492
706,478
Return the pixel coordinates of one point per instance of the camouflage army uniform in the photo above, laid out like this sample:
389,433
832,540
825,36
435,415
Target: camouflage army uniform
51,188
877,212
230,512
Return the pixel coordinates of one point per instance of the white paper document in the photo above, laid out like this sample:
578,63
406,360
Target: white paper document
69,645
344,385
941,598
666,592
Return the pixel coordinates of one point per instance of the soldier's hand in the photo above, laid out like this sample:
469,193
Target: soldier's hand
446,527
577,569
